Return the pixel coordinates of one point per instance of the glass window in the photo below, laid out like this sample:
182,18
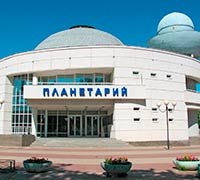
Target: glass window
135,72
153,74
99,78
71,78
17,86
155,119
88,78
136,108
169,76
16,118
79,78
20,110
29,117
65,79
43,80
52,79
136,119
107,78
25,119
61,79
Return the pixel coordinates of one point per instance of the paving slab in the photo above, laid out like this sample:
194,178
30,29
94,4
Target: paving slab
149,163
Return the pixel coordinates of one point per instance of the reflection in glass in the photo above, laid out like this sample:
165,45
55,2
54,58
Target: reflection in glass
95,126
71,78
71,126
65,79
80,78
99,78
52,80
78,126
88,78
89,125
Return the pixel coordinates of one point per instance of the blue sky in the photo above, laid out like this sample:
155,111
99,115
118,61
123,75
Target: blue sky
25,23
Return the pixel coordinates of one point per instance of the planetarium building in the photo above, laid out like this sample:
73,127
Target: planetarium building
83,82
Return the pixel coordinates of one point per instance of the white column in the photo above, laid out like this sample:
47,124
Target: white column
113,127
34,111
46,123
35,79
34,121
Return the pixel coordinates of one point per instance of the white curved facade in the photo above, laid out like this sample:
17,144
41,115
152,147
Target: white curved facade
149,76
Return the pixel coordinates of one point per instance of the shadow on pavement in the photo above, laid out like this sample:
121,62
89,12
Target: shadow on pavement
59,172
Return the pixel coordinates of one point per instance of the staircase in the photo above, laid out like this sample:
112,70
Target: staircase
79,143
194,140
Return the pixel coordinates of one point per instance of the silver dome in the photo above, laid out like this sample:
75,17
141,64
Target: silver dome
79,36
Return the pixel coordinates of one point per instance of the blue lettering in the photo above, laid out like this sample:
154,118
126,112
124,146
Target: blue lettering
98,92
64,92
90,91
55,92
106,91
115,92
46,92
82,92
73,92
124,91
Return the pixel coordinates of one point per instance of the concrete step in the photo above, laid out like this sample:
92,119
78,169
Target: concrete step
79,142
194,140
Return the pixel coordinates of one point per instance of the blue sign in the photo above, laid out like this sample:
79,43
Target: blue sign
85,92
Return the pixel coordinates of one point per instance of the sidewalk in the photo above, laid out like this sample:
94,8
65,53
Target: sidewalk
151,163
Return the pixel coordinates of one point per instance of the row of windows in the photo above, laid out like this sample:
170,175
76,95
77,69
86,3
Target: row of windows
25,118
21,109
78,78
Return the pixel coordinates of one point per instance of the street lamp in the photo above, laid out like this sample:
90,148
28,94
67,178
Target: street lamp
166,110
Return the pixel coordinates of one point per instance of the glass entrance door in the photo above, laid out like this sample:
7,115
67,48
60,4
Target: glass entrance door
75,125
57,124
52,124
92,125
64,124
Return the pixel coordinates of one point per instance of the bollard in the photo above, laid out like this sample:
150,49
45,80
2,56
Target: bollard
198,174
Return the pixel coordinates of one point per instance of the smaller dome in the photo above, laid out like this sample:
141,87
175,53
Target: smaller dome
176,34
175,22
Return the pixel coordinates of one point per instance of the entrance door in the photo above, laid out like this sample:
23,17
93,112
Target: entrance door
92,125
57,124
62,125
75,125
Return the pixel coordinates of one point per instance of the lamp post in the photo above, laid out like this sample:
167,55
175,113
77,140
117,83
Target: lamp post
166,110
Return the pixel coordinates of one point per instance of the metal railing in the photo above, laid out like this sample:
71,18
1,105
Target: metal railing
72,83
